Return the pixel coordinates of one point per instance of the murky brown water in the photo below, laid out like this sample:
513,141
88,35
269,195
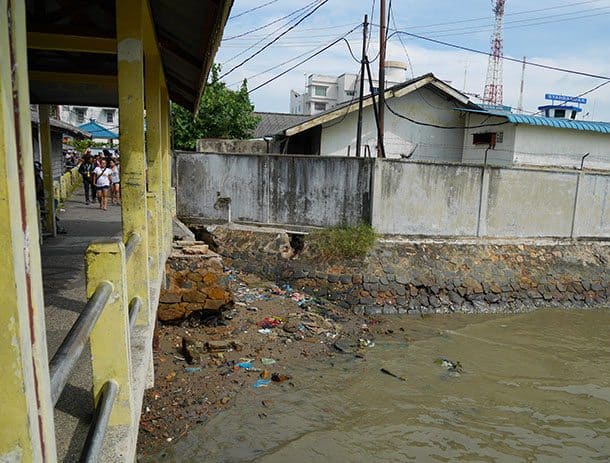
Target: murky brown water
535,388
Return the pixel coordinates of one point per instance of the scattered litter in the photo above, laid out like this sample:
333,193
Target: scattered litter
225,400
170,376
364,343
387,372
270,322
267,403
265,374
279,378
450,365
265,331
267,361
185,351
245,365
261,383
192,369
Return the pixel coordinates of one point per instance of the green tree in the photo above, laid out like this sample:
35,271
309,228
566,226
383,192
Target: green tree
223,113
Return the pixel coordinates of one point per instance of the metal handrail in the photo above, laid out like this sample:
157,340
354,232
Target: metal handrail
99,424
71,348
134,307
131,245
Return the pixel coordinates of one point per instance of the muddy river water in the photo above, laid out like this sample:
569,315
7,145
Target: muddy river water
534,388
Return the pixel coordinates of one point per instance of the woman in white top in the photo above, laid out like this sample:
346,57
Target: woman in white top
101,176
115,180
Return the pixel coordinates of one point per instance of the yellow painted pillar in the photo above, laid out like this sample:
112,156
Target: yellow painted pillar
110,338
46,155
153,239
154,151
26,417
133,163
167,171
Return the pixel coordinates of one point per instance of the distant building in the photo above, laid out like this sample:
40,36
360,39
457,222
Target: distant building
79,115
324,92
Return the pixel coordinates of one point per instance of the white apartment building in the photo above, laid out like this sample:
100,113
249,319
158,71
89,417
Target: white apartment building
323,92
78,115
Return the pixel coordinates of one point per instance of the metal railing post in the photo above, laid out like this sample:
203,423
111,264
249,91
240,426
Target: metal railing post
110,338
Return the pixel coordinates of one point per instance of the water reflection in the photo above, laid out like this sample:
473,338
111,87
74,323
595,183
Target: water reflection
535,388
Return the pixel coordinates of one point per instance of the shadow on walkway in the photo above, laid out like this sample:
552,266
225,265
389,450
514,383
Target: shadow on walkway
64,291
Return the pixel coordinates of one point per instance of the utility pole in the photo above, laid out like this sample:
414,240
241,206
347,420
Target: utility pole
361,94
520,104
382,44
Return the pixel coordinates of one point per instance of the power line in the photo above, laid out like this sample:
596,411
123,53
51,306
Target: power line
292,59
320,5
253,9
507,58
303,61
269,24
507,14
270,34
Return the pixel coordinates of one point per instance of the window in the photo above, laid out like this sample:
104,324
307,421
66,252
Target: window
560,113
488,138
350,92
319,91
109,116
319,106
80,115
499,137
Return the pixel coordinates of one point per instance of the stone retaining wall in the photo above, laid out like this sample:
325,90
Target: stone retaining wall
195,282
409,277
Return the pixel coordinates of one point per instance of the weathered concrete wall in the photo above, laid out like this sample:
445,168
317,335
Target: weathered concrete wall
593,209
426,199
408,198
528,203
221,145
291,190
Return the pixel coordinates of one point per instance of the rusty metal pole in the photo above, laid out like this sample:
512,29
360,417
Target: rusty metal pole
382,47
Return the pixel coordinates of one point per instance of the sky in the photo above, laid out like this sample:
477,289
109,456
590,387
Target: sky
567,34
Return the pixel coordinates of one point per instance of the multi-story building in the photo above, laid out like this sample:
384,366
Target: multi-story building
323,92
78,115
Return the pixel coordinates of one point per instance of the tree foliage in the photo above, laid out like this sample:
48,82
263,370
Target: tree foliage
223,113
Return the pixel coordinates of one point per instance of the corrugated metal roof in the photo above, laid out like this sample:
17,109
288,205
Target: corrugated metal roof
97,131
589,126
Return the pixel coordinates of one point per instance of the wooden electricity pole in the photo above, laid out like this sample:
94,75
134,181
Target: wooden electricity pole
382,44
361,94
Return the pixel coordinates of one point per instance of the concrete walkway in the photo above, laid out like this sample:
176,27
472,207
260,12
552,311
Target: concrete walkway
64,291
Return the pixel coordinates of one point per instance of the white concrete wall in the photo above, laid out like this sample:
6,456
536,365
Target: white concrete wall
593,209
529,203
402,136
291,190
547,146
426,199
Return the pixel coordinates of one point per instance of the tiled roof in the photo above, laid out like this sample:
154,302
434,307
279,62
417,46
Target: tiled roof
275,123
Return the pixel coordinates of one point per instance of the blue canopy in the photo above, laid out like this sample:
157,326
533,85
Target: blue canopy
97,131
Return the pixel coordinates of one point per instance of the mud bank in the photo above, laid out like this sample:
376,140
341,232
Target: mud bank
427,277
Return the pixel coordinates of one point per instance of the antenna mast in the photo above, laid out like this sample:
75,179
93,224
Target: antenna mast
493,83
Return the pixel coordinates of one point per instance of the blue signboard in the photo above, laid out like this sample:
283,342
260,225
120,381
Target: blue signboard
569,99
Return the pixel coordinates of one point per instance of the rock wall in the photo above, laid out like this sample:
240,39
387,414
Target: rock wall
195,283
418,277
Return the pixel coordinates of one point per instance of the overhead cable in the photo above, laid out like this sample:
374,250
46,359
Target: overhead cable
253,9
320,5
507,58
304,60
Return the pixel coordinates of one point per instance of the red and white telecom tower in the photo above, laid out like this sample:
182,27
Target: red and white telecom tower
493,83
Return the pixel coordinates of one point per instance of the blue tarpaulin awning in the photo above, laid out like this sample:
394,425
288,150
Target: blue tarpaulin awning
97,131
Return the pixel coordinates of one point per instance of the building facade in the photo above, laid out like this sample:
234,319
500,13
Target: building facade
324,92
78,115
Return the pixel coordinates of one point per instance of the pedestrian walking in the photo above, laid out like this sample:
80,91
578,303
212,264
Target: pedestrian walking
102,183
115,183
86,171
